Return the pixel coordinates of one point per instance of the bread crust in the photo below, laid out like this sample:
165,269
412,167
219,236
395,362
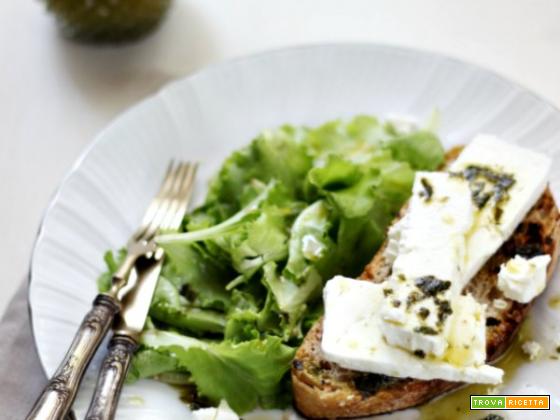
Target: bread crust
323,389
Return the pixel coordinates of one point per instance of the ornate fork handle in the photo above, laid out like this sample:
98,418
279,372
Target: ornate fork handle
57,397
111,378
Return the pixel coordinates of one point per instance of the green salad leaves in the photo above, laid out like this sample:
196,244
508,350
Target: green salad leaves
242,280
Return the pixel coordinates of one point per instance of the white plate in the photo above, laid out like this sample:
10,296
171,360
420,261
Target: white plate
211,113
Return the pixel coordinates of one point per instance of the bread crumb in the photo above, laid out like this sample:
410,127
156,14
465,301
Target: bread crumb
532,349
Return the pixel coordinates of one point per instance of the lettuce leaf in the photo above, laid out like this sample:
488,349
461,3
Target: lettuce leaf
148,363
421,149
193,273
274,155
246,375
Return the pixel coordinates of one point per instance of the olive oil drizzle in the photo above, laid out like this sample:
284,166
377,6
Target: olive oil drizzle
456,404
554,302
487,185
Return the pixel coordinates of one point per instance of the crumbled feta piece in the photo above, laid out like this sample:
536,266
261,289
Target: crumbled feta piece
523,279
532,349
499,304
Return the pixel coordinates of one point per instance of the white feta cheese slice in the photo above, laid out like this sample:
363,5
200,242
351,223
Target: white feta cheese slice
429,242
352,338
523,279
431,239
530,172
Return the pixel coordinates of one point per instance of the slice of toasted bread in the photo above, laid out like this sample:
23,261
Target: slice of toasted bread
325,390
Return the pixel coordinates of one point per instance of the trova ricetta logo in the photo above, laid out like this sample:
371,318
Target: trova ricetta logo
510,402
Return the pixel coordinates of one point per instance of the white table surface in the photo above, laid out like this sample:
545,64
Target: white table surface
55,95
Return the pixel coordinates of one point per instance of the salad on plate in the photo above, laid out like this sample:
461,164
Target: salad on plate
242,279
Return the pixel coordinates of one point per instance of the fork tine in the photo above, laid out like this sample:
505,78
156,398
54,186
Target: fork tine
185,196
167,209
175,196
155,204
172,207
182,199
165,201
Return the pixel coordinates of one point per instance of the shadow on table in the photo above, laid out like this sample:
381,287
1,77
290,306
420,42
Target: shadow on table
114,77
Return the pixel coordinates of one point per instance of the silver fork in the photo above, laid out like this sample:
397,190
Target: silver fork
139,270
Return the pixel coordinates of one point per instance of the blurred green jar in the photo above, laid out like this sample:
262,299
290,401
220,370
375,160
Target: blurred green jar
107,21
